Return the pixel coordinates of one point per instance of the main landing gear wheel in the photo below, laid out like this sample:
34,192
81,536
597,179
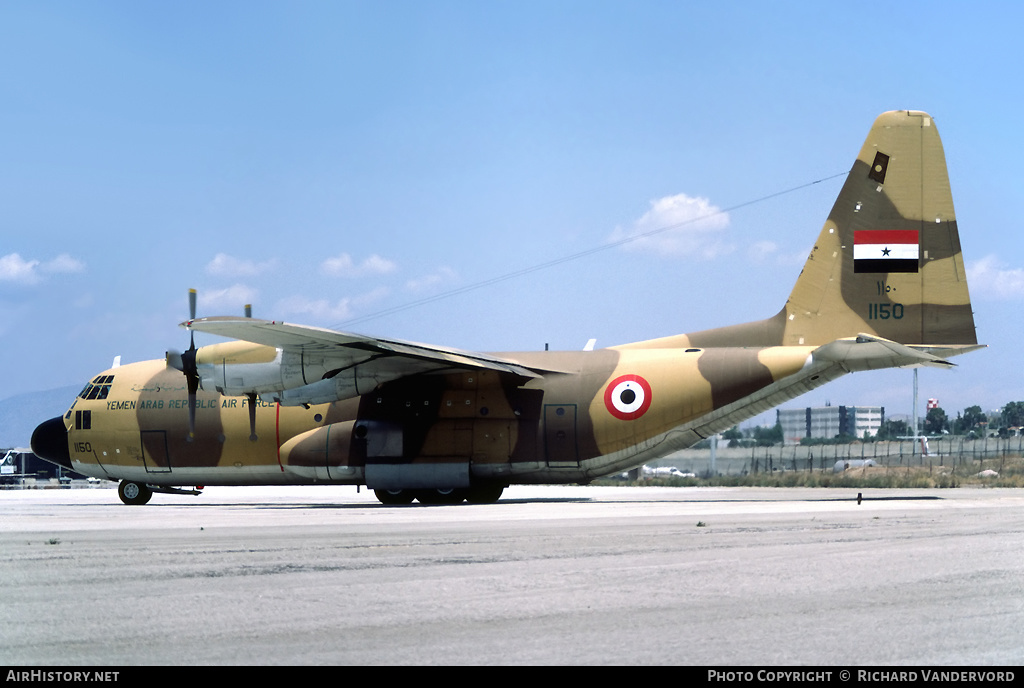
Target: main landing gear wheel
486,494
449,495
133,493
393,497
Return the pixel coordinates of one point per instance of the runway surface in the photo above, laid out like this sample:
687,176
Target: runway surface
549,575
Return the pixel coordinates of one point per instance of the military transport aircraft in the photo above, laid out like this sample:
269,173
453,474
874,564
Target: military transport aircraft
884,286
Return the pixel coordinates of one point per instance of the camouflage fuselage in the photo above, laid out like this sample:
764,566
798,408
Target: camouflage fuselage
566,427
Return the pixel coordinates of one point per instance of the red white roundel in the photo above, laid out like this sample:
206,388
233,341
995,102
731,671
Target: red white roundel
627,397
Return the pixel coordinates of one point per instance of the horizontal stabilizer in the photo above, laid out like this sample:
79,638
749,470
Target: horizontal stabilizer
867,352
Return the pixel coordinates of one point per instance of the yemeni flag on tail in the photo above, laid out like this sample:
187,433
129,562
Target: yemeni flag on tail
885,250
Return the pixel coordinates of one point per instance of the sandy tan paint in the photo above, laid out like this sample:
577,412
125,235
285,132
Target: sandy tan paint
235,352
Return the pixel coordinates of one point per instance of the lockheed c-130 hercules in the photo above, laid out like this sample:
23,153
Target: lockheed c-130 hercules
884,286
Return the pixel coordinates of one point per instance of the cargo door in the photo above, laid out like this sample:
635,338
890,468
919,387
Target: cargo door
154,451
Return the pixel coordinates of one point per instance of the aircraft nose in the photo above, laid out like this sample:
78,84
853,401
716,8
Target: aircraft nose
50,442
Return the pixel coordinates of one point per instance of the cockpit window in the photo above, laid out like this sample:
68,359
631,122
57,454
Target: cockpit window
99,388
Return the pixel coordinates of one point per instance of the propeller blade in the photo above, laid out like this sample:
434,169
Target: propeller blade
191,416
191,370
252,417
186,363
251,395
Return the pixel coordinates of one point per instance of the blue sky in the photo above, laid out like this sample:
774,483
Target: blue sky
331,161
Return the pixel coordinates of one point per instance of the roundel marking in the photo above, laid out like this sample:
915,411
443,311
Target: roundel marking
627,397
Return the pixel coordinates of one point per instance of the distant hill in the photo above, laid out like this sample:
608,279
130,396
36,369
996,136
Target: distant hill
19,415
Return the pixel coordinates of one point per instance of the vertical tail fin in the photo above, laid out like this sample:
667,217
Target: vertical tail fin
887,261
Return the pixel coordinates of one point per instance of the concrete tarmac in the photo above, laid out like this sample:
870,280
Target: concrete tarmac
549,575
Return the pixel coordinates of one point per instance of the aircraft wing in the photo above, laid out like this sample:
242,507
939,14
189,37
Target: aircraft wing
335,344
318,365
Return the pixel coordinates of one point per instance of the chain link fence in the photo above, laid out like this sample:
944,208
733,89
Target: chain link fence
948,452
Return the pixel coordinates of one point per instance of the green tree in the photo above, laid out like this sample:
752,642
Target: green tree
973,419
768,437
1013,415
893,429
936,422
732,433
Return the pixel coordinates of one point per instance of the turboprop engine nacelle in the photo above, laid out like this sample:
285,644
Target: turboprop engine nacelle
287,377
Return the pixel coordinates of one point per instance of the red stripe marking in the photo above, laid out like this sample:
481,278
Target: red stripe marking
277,431
885,236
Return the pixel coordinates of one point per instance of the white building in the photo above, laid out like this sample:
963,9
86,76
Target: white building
827,422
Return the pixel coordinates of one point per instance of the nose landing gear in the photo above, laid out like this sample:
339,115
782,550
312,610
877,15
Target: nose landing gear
132,492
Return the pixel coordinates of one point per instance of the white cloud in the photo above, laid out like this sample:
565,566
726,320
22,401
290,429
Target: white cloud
229,266
63,264
319,310
326,311
440,276
344,266
678,225
990,277
226,301
766,251
14,268
761,251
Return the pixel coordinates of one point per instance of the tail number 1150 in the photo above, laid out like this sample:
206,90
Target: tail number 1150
884,311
